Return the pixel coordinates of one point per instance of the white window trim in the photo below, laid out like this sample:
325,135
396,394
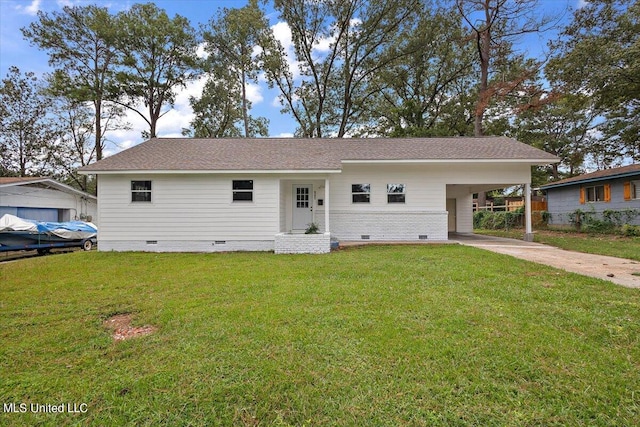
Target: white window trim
361,192
131,190
404,193
243,191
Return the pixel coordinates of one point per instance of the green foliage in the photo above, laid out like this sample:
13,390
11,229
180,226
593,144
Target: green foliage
159,57
230,42
26,134
81,43
630,230
598,55
610,221
498,220
334,87
312,228
545,216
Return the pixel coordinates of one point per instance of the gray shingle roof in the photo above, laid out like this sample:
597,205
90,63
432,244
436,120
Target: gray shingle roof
187,154
623,171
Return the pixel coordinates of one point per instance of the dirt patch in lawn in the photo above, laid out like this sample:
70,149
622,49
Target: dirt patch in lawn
120,324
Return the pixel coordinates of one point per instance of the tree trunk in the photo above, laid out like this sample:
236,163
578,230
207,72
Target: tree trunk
484,40
98,106
245,114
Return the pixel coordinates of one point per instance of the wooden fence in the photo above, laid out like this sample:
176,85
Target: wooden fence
536,206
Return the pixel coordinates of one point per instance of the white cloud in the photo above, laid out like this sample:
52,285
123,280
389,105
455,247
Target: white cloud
282,33
277,101
193,88
254,93
63,3
323,45
201,52
284,135
31,9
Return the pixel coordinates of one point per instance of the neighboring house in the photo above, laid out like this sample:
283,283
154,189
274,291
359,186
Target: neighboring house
261,194
44,199
616,189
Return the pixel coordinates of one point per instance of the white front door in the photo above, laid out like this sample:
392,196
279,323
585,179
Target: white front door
302,206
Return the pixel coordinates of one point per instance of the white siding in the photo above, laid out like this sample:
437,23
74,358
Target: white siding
424,212
30,196
196,212
187,208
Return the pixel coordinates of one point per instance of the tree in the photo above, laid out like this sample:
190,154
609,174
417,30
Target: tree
159,56
75,146
81,45
421,93
234,43
25,129
599,55
494,26
563,127
218,112
339,46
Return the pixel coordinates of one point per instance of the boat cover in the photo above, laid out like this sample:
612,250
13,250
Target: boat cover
67,230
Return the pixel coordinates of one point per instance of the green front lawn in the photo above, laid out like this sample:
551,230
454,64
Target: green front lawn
600,244
389,335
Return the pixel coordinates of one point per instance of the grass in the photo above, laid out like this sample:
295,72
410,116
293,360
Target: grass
406,335
600,244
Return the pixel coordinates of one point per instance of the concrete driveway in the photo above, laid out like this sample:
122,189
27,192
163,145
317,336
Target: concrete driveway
616,270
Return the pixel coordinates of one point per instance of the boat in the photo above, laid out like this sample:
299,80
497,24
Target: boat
26,234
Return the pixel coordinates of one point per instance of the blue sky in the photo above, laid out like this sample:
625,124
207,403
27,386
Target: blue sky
14,50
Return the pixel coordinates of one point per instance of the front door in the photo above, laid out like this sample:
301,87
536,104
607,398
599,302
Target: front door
302,206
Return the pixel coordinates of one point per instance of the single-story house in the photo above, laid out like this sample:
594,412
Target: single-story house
44,199
615,189
180,194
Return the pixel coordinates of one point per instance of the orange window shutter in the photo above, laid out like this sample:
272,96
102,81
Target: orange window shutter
582,195
627,190
607,192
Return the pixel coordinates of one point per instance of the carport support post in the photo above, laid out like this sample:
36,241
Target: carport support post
326,205
528,234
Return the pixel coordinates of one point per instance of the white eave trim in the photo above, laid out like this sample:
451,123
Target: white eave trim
52,184
210,172
416,161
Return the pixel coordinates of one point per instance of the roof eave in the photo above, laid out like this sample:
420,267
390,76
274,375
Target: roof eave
588,180
52,183
207,171
418,161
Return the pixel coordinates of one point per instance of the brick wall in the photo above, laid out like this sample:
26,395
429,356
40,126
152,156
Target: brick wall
384,226
302,243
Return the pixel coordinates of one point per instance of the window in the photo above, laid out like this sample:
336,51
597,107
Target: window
595,194
302,197
635,190
361,193
243,191
396,193
140,191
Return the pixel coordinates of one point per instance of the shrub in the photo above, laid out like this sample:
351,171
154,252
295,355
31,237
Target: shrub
312,228
612,217
478,217
629,230
497,220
